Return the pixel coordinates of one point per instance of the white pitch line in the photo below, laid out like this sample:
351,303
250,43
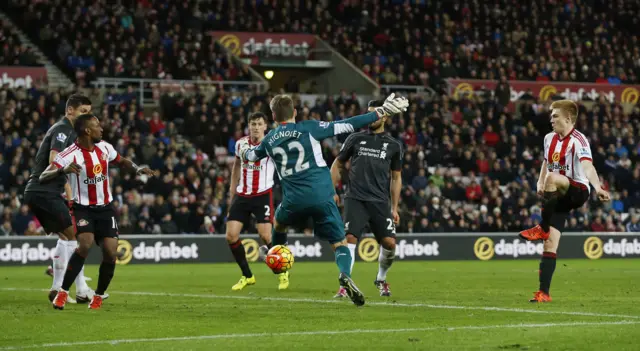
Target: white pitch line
316,332
373,303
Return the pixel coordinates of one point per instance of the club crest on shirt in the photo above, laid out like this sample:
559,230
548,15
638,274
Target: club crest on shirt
61,137
83,223
97,169
555,157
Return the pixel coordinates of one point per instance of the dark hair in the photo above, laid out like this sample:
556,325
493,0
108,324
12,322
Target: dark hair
77,100
81,123
375,103
257,115
282,107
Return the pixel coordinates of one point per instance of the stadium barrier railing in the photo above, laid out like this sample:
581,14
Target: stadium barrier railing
150,90
152,249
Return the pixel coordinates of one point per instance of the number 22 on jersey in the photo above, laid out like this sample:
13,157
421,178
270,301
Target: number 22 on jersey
300,165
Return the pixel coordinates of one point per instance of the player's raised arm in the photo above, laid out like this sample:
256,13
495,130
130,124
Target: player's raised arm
59,167
127,163
392,106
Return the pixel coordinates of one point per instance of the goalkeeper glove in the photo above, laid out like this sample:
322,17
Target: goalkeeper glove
392,106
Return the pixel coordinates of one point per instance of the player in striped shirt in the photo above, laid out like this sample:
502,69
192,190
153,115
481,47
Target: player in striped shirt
251,194
564,180
86,165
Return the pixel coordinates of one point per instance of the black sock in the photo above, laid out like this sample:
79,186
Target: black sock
237,249
74,266
278,238
106,274
548,208
547,267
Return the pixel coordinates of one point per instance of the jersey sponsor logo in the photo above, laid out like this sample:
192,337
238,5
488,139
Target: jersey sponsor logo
156,252
253,167
555,157
555,166
83,223
26,253
366,151
95,180
485,249
61,137
97,169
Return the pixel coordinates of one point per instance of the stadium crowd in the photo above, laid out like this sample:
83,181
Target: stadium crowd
14,52
394,41
470,165
467,166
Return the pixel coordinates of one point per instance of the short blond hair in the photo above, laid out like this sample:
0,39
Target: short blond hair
568,106
282,107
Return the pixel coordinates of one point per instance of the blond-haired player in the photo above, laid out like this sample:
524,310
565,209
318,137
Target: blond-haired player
564,180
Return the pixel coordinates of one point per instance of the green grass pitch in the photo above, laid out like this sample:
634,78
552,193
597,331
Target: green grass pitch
468,305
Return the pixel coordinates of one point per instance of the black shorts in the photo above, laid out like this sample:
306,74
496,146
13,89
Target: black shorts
50,209
376,215
260,206
99,220
574,198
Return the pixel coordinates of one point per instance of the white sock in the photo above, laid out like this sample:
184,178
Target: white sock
60,260
352,249
81,284
385,260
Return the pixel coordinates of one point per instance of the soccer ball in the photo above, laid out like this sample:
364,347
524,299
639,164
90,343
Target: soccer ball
279,259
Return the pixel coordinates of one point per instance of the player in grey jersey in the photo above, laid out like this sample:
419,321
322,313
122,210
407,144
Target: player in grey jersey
45,199
373,192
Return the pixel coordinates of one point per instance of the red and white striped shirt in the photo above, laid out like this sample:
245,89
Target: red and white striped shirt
91,186
256,178
563,155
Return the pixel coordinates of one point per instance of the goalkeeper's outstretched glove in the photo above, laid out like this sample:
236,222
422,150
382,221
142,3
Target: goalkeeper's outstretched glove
242,150
392,106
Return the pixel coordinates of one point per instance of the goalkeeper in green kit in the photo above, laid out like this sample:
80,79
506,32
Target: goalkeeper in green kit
306,181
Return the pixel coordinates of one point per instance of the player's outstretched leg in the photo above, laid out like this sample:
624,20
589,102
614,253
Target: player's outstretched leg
555,186
385,260
343,260
547,266
352,243
239,253
279,237
73,268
